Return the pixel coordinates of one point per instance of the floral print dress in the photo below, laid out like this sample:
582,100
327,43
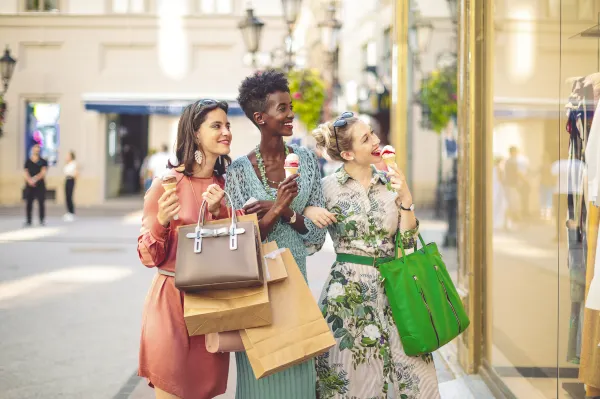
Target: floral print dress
368,361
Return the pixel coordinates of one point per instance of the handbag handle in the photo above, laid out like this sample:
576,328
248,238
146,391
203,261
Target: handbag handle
399,244
201,232
201,215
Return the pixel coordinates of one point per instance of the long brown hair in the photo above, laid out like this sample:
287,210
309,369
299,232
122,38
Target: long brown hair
191,119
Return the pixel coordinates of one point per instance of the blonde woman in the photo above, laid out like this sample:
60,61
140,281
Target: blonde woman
364,209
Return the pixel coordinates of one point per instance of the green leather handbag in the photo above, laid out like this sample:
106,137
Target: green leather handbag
425,305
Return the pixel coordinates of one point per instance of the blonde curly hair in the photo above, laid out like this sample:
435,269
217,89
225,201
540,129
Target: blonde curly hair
326,138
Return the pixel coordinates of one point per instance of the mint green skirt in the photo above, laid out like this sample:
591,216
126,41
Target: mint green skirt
298,382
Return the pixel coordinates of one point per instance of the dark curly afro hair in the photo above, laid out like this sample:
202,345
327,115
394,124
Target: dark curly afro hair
256,88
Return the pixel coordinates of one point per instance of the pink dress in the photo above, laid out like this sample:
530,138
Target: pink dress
169,358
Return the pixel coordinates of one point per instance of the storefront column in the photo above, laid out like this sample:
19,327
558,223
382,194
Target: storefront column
400,93
475,123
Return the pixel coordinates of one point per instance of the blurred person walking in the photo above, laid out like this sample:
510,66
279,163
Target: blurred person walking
499,196
71,173
175,364
35,170
516,187
547,183
146,176
157,165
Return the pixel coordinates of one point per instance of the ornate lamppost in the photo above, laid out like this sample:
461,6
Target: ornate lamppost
251,28
291,10
451,192
330,33
7,67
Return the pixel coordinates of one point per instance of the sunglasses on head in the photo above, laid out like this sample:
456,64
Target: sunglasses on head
341,122
209,103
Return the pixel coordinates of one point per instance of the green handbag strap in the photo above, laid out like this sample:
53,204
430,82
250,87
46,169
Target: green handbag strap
399,244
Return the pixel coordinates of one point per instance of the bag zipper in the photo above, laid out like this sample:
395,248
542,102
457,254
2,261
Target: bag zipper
437,336
449,302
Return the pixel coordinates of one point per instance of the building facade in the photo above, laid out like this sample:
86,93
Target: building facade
109,78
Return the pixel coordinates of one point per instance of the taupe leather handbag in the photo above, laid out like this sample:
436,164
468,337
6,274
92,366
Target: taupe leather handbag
220,254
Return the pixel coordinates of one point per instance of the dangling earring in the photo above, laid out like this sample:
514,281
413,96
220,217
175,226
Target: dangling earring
198,156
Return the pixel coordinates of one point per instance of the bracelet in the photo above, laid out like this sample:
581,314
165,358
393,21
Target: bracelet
293,218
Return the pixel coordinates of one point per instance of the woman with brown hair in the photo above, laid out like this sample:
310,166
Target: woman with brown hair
176,365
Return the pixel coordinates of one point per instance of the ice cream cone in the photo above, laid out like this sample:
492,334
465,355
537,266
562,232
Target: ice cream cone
388,155
170,183
290,171
389,161
291,165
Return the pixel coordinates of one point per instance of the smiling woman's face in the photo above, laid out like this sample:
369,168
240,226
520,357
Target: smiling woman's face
279,115
214,134
365,144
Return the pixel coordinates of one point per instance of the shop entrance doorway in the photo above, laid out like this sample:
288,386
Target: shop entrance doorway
127,146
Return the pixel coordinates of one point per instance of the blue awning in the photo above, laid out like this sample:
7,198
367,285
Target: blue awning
174,108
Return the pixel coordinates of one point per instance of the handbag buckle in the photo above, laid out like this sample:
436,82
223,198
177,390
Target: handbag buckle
233,242
233,233
197,240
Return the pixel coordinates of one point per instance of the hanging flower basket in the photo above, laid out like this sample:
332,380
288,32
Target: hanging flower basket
438,96
308,95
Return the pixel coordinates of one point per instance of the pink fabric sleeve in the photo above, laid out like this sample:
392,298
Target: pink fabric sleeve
153,240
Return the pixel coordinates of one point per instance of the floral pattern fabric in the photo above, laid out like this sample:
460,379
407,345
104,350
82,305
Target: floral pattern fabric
368,361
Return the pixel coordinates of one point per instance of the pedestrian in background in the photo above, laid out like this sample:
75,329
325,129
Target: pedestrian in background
35,184
157,165
175,364
145,172
71,174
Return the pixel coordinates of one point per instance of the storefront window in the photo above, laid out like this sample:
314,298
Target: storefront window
541,342
43,129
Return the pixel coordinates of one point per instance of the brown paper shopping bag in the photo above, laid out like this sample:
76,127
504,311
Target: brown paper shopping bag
298,331
230,341
275,267
228,310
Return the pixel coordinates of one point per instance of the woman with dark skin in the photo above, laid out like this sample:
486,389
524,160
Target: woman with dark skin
257,183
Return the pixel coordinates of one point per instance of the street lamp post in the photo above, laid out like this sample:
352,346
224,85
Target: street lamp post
451,239
251,28
330,29
7,67
291,10
453,6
